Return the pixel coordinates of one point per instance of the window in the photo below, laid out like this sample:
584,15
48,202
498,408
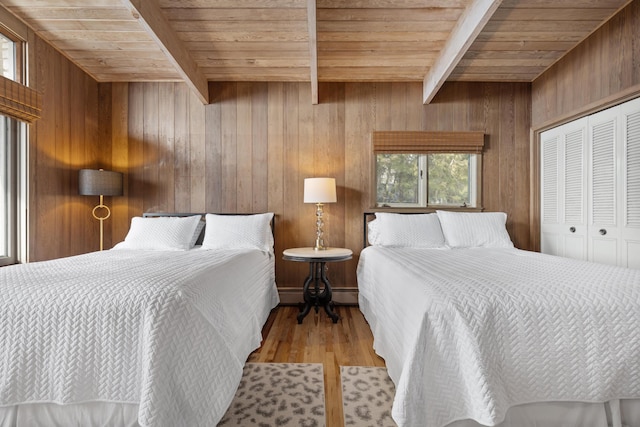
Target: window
12,157
398,179
421,180
8,52
427,169
9,190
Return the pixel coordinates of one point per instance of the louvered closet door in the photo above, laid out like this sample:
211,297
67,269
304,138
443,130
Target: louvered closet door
563,216
604,226
590,171
550,242
630,233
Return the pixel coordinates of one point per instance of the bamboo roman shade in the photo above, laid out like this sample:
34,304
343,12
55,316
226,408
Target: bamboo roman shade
427,142
19,101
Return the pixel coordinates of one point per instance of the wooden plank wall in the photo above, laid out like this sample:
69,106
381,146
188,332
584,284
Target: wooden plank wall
66,139
251,148
600,72
247,151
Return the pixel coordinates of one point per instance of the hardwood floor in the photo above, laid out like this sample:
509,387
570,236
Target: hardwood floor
317,340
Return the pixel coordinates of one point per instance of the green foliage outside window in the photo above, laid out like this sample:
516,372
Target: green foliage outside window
397,177
447,183
448,179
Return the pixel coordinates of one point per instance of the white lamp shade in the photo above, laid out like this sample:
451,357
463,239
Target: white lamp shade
320,190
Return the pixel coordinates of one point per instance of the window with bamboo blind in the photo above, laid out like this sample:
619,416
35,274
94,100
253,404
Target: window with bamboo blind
17,100
415,169
18,105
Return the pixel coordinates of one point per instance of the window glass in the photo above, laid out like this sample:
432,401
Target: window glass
422,180
8,193
398,178
449,179
4,193
8,57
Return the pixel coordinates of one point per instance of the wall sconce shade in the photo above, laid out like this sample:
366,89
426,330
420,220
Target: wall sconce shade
99,182
319,191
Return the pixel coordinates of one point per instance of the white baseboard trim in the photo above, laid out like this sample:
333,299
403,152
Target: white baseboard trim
292,296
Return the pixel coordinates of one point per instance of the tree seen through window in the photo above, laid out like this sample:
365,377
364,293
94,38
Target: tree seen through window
442,179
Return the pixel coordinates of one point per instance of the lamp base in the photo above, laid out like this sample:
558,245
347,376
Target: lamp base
319,245
101,218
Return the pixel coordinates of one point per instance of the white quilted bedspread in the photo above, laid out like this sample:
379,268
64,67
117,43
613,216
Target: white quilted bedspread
468,333
169,331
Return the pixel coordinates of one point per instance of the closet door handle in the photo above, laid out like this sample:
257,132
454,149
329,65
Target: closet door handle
572,229
602,231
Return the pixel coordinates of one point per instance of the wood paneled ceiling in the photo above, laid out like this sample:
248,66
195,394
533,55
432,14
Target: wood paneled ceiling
314,40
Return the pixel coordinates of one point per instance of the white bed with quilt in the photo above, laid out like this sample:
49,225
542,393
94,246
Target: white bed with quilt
154,332
475,332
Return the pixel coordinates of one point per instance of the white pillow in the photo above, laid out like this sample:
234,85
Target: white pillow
373,232
472,230
408,230
239,232
160,233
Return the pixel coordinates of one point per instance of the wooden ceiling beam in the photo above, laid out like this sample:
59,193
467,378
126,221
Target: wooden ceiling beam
152,19
472,21
313,49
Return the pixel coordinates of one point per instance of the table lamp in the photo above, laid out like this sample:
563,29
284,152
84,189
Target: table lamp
319,191
99,182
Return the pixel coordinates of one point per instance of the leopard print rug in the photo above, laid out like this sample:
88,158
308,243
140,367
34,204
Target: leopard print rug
367,396
278,395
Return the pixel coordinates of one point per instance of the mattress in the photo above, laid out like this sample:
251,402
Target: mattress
168,332
470,334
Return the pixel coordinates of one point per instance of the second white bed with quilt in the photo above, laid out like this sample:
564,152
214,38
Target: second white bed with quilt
475,332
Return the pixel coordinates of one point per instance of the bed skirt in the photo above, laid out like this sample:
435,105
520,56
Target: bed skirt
88,414
549,414
615,413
